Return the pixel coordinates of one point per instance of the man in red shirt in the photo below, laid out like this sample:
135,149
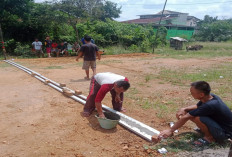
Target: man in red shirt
54,48
101,84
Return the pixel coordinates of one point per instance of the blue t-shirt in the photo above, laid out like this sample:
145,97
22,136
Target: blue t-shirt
217,110
83,41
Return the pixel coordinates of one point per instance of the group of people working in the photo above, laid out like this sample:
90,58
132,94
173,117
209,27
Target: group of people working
212,116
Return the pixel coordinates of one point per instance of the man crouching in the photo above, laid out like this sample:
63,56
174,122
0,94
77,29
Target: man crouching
101,84
210,114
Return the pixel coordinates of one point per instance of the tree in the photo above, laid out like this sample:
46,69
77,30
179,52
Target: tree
79,10
212,29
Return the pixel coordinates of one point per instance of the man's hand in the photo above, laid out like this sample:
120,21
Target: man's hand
118,99
102,115
165,134
181,113
77,59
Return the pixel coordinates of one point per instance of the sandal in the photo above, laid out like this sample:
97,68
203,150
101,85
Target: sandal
201,142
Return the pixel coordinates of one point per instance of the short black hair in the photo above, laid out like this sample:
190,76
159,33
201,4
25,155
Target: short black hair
87,38
202,86
123,83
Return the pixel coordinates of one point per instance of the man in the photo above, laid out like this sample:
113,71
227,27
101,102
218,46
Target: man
76,47
89,50
210,114
37,46
83,40
101,84
48,45
62,49
54,48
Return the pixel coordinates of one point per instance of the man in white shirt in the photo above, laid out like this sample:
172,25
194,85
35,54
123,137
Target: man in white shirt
100,85
37,47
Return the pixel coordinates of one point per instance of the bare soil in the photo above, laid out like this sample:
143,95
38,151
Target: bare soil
36,120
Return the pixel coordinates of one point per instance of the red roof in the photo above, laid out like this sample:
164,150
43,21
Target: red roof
146,21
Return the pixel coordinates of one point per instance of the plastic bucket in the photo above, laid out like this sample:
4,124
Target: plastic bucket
110,121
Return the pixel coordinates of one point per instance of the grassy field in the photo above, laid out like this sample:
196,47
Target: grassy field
210,50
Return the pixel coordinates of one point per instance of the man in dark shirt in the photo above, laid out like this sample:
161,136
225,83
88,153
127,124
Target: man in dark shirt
62,49
210,114
89,50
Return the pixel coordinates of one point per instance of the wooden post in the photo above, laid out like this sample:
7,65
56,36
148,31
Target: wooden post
2,41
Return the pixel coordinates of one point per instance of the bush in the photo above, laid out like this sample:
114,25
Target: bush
133,47
23,50
144,46
10,46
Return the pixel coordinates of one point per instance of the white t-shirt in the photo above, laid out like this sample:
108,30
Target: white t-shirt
37,45
108,78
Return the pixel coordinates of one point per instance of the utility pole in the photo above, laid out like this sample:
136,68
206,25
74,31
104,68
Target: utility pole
159,24
2,41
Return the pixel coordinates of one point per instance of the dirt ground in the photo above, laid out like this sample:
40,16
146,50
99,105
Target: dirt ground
36,120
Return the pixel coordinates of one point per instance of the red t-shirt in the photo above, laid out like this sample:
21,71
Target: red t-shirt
54,45
106,80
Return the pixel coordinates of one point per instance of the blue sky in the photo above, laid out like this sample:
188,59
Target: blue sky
198,8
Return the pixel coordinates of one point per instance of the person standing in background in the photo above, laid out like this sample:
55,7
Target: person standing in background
48,45
89,51
37,46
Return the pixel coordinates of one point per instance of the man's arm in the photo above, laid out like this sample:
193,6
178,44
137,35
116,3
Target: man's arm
177,125
79,55
117,98
99,109
185,110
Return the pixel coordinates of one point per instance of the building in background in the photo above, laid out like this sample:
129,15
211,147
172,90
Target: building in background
178,24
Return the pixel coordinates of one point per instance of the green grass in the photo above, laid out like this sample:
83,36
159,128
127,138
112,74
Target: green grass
220,86
210,50
183,76
183,142
4,65
54,67
115,50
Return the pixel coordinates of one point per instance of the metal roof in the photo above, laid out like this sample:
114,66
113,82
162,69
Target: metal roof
178,38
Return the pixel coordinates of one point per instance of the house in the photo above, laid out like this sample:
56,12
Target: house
177,23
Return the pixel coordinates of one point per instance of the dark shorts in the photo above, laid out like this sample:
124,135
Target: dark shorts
87,64
215,129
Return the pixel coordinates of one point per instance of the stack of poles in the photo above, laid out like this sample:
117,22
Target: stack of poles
129,123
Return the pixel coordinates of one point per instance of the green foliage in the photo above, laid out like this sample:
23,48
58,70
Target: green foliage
110,33
212,29
133,47
23,50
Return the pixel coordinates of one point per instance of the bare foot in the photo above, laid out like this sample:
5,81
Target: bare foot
87,78
123,109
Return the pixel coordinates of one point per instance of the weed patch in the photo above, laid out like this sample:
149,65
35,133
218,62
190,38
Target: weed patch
54,67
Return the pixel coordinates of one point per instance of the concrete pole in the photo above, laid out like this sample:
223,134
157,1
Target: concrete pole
2,41
159,24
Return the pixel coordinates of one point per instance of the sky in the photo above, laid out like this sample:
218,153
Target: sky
198,8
